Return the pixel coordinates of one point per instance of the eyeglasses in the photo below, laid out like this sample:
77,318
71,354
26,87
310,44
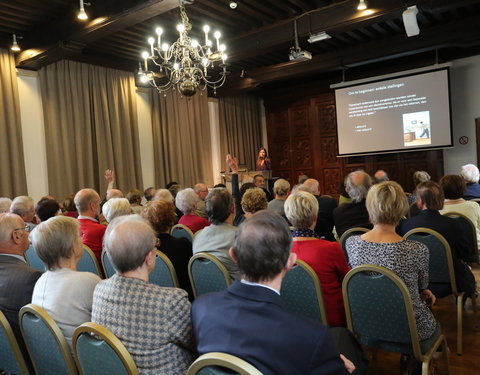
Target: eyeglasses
25,228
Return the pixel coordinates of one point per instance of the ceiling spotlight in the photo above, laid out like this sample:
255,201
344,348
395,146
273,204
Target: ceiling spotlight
362,5
318,37
82,15
15,47
233,4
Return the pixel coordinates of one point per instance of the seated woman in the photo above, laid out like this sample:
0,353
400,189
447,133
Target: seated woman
326,258
152,322
186,201
134,196
382,246
116,207
454,188
65,294
161,216
253,200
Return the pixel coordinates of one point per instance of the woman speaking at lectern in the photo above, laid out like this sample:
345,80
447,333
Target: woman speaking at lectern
263,161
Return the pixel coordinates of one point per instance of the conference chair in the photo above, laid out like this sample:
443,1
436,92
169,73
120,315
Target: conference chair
207,274
441,270
302,293
349,233
379,312
216,363
164,273
11,357
89,263
470,231
99,352
108,269
45,342
33,260
182,231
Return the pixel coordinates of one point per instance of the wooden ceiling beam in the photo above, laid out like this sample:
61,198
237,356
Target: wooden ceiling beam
89,33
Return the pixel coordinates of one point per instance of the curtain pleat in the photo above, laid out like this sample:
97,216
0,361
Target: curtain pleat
181,135
13,181
90,126
240,129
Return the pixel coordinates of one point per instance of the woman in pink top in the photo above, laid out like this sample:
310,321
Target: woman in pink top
326,258
186,201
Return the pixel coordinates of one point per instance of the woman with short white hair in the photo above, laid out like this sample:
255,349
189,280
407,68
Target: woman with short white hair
471,175
326,258
115,207
63,292
186,201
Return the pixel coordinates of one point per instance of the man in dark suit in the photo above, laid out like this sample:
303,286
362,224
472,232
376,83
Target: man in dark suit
326,205
249,320
17,279
429,200
353,214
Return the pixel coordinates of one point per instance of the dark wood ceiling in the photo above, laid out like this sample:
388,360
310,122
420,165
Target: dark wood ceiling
258,33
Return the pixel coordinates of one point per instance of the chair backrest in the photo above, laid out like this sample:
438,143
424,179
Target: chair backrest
182,231
349,233
11,357
45,342
88,262
164,273
440,267
207,274
475,200
379,308
212,364
302,293
470,231
33,260
108,269
99,352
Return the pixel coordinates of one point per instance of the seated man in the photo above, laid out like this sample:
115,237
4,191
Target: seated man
259,181
429,200
248,319
353,214
218,238
87,202
202,191
23,206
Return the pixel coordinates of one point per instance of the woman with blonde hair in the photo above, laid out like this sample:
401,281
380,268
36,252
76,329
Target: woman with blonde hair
326,258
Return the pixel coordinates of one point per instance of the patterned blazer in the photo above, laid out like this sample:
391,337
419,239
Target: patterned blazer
152,322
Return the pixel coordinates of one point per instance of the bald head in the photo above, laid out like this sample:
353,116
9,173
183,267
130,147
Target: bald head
357,185
380,176
87,202
201,190
312,186
114,193
13,235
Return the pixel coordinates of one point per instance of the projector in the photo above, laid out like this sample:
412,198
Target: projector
300,55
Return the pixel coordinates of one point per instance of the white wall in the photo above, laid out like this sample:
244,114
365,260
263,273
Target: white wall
465,99
145,135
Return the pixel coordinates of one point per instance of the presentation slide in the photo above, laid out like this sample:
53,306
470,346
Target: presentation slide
400,114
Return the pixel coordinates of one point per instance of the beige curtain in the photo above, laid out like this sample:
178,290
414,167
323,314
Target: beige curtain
90,126
240,129
181,136
13,180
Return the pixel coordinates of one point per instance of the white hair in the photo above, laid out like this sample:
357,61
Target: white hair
163,195
5,204
186,200
301,209
281,187
22,205
116,207
8,223
470,173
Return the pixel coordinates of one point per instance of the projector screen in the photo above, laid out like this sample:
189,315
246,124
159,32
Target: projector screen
404,113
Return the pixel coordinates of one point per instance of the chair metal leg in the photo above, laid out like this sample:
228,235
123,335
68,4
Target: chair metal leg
474,302
446,353
459,323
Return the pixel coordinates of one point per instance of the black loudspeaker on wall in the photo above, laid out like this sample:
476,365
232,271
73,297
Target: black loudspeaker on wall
410,21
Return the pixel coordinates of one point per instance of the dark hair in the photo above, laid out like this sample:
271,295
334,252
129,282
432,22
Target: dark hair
171,183
149,193
431,194
453,186
46,208
218,205
262,246
245,187
220,186
69,204
134,196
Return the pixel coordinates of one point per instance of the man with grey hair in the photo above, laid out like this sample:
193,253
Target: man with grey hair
380,176
23,206
17,279
353,214
326,205
202,191
281,188
5,204
217,238
88,202
249,319
152,322
470,174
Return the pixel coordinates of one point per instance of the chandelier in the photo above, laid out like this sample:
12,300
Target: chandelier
186,65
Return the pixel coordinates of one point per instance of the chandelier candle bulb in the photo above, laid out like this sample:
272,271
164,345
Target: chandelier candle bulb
151,41
217,36
206,29
145,57
159,32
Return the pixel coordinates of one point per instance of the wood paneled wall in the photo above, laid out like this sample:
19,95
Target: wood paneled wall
302,138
